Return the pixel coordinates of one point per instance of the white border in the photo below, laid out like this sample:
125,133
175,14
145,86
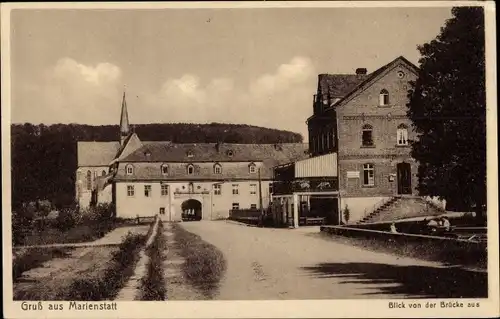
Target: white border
262,309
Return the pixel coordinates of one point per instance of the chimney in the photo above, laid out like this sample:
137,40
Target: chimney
361,71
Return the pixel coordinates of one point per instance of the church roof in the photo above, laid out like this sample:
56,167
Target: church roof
213,152
96,153
124,124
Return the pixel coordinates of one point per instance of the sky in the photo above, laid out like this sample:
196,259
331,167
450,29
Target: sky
245,66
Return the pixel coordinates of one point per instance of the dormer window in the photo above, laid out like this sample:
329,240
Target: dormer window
129,170
190,170
230,153
252,168
384,98
190,154
164,169
217,169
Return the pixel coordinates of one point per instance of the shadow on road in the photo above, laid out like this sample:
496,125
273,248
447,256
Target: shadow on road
413,281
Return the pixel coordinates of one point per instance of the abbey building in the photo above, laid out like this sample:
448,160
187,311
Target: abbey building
205,180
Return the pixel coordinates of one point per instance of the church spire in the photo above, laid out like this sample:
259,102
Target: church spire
124,125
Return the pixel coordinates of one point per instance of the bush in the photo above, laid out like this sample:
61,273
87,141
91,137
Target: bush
153,285
105,286
66,219
347,214
22,222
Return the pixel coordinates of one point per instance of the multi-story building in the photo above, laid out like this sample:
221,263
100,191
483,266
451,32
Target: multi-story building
359,135
207,180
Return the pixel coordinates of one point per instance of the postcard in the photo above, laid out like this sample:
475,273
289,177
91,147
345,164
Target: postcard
249,160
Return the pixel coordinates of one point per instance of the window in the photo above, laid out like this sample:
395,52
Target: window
164,169
253,206
130,169
253,189
230,153
103,173
384,98
236,206
252,168
164,189
147,190
367,138
130,190
190,170
235,189
217,189
190,154
89,180
162,210
368,175
217,169
270,188
402,135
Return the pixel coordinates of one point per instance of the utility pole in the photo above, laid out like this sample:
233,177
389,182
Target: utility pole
260,198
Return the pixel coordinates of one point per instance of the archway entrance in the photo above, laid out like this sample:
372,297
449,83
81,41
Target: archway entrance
191,210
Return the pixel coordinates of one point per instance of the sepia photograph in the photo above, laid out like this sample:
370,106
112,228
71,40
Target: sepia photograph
179,153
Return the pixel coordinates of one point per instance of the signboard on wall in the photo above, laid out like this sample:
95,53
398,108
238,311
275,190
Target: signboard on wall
352,174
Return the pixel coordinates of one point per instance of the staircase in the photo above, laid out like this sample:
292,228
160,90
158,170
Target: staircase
402,207
377,211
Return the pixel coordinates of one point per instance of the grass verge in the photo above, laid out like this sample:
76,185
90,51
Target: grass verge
33,258
204,264
105,285
153,285
469,256
77,234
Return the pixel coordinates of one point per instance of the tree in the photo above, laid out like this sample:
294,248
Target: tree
448,108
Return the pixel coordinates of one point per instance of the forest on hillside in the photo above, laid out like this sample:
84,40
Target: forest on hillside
44,158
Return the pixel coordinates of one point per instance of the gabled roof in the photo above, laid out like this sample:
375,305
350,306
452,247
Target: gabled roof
344,85
96,153
338,85
372,76
213,152
129,145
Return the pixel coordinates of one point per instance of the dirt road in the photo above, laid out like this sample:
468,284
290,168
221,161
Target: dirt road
266,263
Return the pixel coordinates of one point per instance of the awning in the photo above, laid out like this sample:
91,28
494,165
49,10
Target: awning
318,166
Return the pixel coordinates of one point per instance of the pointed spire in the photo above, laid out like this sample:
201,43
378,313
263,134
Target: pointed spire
124,125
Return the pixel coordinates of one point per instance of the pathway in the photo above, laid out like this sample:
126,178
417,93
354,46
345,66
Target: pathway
266,263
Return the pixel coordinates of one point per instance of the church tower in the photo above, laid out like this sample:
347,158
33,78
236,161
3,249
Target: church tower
124,125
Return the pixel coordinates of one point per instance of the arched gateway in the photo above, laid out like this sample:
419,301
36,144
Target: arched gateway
191,210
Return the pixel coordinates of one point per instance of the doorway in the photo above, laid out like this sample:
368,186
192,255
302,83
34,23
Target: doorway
404,178
191,210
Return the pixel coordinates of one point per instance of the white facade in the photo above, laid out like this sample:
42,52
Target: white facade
243,193
86,181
